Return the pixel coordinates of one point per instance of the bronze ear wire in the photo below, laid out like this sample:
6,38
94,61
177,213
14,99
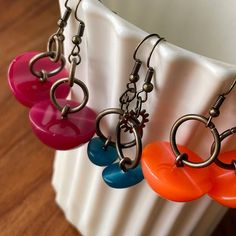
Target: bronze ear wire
214,112
55,48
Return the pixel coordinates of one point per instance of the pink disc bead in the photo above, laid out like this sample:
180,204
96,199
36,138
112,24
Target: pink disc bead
26,87
62,133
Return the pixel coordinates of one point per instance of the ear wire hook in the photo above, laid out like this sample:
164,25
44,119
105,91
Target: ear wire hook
66,5
76,13
149,58
215,109
129,95
139,45
81,23
147,87
230,88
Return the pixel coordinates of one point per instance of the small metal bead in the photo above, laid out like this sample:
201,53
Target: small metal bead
133,78
214,112
76,39
61,23
61,37
148,87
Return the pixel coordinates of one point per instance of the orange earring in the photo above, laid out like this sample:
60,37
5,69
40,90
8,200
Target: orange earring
178,174
223,175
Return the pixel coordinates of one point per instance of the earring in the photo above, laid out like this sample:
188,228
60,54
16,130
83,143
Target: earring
169,171
223,171
102,151
64,124
31,75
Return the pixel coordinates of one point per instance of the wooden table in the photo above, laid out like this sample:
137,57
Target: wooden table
27,205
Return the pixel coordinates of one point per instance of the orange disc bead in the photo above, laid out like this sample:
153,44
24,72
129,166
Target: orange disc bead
224,181
180,184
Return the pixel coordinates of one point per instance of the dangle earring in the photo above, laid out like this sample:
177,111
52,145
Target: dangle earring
31,75
102,151
223,172
64,124
178,174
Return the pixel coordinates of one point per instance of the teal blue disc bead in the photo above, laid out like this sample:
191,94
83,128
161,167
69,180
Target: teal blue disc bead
117,178
99,155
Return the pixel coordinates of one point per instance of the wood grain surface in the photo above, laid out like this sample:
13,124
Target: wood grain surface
27,206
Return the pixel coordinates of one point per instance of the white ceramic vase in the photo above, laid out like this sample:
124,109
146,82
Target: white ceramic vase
184,82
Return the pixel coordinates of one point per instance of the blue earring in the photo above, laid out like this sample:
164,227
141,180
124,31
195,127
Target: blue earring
102,151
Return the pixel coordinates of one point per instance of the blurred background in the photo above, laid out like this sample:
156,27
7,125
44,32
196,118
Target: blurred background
27,199
27,204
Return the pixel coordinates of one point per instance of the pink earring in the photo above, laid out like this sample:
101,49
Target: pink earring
64,124
31,75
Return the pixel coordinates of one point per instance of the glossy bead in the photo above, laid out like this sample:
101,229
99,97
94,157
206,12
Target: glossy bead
224,181
117,178
27,88
174,183
99,155
62,134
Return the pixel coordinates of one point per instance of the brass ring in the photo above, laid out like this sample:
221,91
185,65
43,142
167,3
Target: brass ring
214,132
71,109
55,45
125,162
39,56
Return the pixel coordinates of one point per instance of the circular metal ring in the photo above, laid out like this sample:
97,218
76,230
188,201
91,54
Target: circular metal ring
125,162
218,162
39,56
99,132
75,57
214,132
55,45
71,109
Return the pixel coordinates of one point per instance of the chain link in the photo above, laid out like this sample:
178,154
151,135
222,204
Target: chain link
139,98
128,96
76,40
55,41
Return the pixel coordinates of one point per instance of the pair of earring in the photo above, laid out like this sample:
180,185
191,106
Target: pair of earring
122,171
41,82
178,174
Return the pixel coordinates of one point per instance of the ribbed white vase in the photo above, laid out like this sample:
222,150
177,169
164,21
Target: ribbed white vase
184,82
